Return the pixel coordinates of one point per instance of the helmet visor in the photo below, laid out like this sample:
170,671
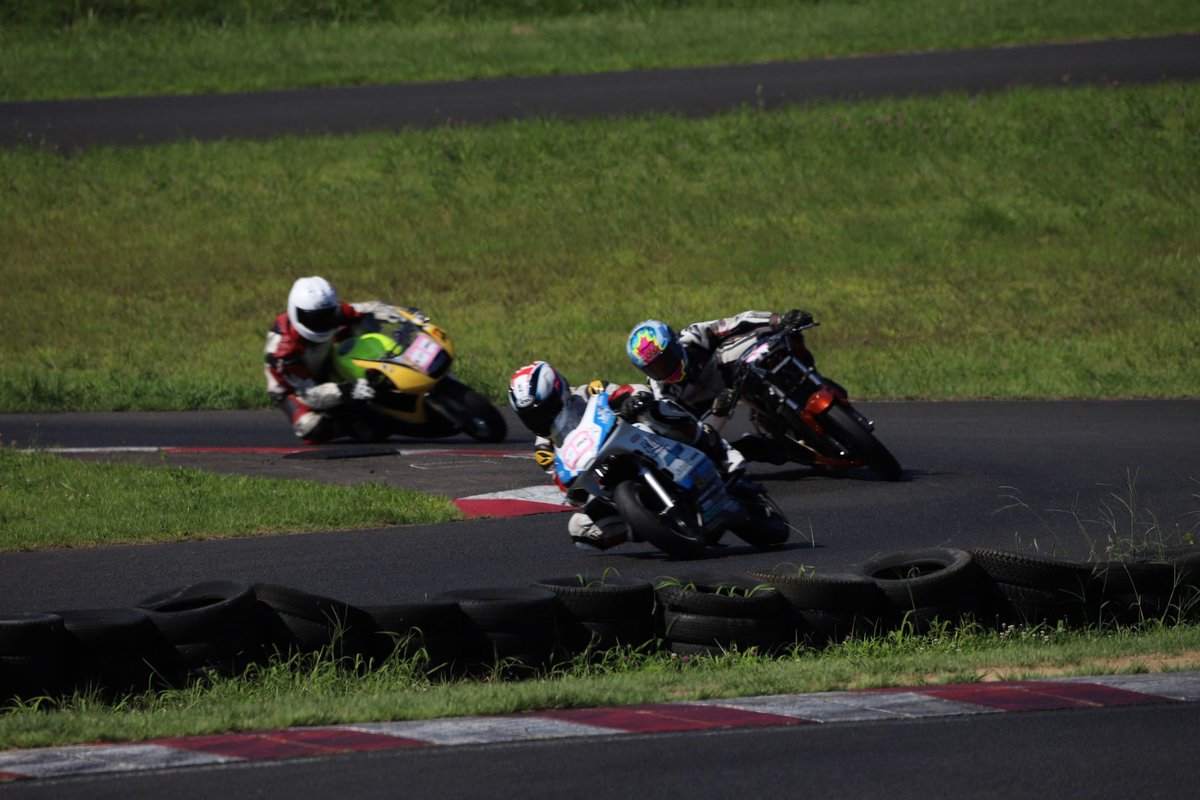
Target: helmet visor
669,366
318,320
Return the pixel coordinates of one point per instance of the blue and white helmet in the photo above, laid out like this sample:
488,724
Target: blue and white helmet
538,392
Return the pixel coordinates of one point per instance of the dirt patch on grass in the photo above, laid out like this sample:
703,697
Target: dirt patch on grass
1145,662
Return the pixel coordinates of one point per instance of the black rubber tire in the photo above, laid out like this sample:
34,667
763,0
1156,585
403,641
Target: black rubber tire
767,526
1014,604
310,623
690,650
506,609
819,628
603,635
32,656
675,537
28,634
765,633
1033,571
611,598
1134,577
211,625
923,577
434,628
723,596
862,443
471,411
117,651
828,591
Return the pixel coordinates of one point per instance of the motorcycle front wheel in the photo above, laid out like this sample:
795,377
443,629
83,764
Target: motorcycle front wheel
862,443
669,531
469,411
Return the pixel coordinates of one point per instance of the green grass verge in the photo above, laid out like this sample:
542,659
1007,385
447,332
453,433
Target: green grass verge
314,690
47,502
127,48
1030,244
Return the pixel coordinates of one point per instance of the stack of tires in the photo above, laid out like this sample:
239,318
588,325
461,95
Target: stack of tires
222,627
596,616
510,632
713,614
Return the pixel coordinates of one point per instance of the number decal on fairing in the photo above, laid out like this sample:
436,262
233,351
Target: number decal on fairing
756,353
577,451
422,352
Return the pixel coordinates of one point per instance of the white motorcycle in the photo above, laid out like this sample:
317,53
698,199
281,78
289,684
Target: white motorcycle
670,494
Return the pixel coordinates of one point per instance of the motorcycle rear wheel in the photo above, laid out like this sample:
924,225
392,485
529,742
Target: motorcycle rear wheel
862,443
469,411
668,531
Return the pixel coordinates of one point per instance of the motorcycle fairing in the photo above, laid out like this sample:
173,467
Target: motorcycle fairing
596,434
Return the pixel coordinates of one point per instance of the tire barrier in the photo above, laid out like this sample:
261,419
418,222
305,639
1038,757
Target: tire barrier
596,616
513,632
713,613
296,621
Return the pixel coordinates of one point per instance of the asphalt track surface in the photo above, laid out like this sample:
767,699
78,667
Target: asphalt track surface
73,124
997,474
991,474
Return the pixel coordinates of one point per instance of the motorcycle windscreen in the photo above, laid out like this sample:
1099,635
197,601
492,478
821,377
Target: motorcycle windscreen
579,433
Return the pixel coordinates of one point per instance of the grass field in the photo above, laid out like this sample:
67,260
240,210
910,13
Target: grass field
48,502
1026,244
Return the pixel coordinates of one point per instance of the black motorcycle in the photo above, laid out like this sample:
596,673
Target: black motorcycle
805,412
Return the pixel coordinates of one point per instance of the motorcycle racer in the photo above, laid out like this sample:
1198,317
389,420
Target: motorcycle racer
298,357
694,367
538,393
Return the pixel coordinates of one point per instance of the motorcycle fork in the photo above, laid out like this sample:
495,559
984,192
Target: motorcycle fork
652,481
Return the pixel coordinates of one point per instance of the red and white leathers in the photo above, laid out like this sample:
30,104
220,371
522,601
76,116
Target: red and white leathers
598,525
299,371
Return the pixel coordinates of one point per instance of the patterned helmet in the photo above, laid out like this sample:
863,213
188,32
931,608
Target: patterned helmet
537,392
655,350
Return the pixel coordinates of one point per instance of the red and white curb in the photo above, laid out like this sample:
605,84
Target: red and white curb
870,705
515,503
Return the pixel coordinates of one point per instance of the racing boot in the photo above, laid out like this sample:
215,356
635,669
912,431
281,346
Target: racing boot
729,461
598,526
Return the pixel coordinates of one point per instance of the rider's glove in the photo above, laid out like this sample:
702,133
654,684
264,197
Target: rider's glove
356,390
417,316
635,405
794,319
544,457
723,404
388,315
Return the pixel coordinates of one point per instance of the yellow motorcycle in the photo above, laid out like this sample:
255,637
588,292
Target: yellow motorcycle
408,365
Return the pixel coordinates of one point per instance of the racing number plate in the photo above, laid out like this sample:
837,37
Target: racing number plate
422,352
578,450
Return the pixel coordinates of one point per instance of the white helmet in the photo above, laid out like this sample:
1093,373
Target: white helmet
313,309
537,392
